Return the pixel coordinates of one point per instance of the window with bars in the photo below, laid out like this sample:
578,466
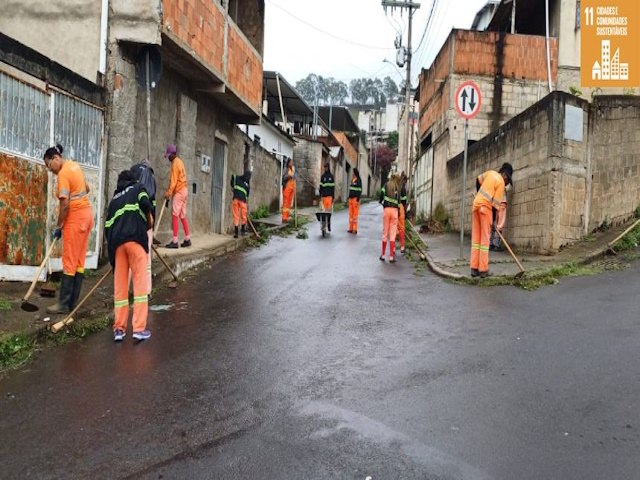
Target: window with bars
24,118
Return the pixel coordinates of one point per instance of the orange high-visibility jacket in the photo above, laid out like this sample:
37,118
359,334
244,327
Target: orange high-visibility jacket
178,176
492,191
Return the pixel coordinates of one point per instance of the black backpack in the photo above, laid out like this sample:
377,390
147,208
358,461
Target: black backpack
145,177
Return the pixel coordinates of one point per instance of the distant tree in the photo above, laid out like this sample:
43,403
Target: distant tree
307,88
337,91
390,88
392,140
358,90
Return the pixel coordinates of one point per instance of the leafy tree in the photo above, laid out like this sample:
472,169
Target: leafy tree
382,157
307,88
392,140
390,88
358,89
337,91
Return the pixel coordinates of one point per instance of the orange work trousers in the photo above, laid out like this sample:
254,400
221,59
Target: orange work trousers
389,224
287,200
327,202
130,256
480,235
75,240
354,211
401,229
239,211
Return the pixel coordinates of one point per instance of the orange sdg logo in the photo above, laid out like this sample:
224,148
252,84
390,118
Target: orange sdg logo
610,43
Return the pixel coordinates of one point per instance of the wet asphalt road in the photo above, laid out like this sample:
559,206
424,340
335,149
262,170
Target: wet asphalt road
311,359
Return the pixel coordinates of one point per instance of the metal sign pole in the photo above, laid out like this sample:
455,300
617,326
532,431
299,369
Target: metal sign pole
148,88
464,187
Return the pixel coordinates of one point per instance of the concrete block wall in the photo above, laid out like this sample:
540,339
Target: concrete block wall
615,158
265,172
547,202
498,106
308,160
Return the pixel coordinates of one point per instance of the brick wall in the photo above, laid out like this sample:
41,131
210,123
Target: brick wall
500,62
204,29
244,69
200,25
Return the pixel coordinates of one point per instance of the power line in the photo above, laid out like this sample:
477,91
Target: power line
325,32
433,4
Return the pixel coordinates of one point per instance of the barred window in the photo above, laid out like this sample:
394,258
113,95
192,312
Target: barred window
24,118
78,128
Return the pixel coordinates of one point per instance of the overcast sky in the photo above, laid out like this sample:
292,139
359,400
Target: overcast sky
348,39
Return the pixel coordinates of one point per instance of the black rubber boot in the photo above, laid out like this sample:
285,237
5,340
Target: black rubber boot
243,230
329,224
66,291
235,235
77,287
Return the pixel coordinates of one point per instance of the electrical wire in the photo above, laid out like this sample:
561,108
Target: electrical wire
325,32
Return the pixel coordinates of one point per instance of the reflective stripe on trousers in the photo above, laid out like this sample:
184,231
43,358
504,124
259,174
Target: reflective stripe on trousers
130,256
354,211
482,218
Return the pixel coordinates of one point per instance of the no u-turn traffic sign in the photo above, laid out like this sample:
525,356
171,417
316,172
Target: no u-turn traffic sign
468,100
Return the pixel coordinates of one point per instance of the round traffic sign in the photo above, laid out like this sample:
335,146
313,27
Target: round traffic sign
468,99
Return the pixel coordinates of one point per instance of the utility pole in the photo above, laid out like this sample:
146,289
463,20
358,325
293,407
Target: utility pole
412,7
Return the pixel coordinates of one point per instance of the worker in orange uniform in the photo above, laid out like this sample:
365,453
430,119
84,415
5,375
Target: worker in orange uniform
355,191
144,174
129,217
491,194
390,200
402,210
240,186
288,190
74,225
179,193
327,192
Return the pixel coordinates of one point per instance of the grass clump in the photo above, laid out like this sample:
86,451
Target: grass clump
261,212
535,280
15,350
5,305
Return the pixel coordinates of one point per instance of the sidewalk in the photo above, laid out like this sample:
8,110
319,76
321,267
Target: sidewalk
443,255
15,321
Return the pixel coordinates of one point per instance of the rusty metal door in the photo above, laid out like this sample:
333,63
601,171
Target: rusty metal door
217,187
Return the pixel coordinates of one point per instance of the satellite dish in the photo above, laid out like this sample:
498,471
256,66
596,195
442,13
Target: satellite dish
155,66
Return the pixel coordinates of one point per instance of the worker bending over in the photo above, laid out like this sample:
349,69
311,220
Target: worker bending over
240,186
129,217
491,194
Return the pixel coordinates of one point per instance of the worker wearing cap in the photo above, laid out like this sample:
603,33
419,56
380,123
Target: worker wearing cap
491,194
327,191
179,193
